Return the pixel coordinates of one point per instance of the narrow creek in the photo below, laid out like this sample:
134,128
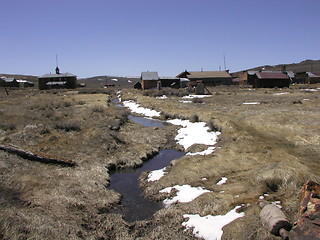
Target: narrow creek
134,206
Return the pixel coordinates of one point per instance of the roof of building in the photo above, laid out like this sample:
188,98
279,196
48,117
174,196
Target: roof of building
206,74
290,74
313,74
149,76
271,75
53,75
8,80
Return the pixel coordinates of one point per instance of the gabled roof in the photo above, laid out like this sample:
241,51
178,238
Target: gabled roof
149,76
313,74
53,75
8,80
271,75
206,74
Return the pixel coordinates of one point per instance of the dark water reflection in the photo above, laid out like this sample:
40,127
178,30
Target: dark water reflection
147,122
134,206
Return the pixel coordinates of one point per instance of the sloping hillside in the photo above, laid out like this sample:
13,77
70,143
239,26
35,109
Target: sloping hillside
304,66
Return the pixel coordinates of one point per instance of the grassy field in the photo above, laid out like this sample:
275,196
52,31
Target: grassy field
271,147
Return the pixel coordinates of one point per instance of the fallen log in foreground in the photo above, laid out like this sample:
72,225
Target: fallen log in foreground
35,157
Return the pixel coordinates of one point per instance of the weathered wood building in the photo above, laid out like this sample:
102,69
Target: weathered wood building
149,80
270,80
208,78
8,82
308,77
170,82
57,80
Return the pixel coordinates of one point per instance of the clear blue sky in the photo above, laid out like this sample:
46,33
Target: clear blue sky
125,37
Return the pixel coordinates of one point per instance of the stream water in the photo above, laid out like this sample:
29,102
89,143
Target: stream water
135,206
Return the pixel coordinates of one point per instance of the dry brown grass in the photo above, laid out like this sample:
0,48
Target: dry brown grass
269,148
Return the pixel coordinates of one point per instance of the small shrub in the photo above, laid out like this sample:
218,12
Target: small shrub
81,102
98,109
68,126
197,100
8,126
194,118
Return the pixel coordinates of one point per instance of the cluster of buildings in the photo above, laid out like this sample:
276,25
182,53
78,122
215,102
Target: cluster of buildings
150,80
271,79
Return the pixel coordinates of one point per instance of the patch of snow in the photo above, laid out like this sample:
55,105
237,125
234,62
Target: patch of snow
205,152
222,181
251,103
135,107
194,133
114,79
210,227
283,93
204,179
261,197
156,175
309,90
162,97
195,96
185,101
129,81
185,193
306,99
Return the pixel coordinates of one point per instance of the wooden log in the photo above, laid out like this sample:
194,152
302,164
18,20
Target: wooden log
35,157
277,222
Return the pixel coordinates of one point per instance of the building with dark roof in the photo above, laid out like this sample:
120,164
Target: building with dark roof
149,80
265,79
57,80
8,82
208,78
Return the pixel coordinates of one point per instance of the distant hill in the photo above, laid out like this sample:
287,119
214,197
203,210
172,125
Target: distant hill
304,66
101,81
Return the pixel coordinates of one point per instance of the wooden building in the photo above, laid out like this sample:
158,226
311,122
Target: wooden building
246,78
149,80
57,80
8,82
270,80
208,78
308,77
170,82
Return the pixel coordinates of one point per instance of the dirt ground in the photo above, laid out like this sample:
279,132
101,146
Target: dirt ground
271,147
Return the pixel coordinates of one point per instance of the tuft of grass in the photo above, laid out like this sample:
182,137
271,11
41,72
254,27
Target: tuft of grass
197,100
68,126
98,109
194,118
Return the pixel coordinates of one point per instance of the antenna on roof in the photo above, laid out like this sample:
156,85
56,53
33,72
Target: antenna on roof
57,68
224,60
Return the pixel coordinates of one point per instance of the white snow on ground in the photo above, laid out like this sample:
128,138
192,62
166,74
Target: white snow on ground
129,81
194,133
222,181
185,193
210,227
283,93
114,79
162,97
309,90
251,103
135,107
196,96
306,99
185,101
156,175
205,152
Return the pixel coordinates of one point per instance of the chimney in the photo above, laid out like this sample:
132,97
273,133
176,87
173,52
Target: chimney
57,70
